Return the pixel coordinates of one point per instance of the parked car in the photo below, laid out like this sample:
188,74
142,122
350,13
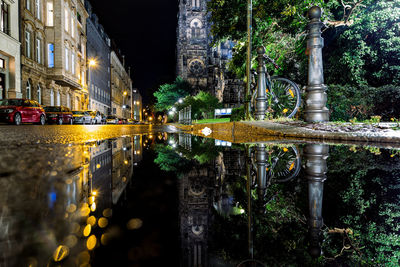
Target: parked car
103,118
19,111
122,121
81,117
111,120
59,115
96,117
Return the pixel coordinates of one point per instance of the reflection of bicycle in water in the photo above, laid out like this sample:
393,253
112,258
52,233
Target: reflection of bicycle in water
283,97
283,164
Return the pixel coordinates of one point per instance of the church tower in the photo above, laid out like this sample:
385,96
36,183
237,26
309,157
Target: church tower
193,44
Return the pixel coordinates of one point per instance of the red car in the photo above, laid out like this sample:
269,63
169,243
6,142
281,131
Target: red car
19,111
59,115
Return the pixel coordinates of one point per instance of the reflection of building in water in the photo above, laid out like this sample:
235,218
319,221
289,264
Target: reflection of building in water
196,197
122,166
185,141
137,149
100,170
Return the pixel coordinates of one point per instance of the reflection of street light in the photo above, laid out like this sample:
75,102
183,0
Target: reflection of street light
180,101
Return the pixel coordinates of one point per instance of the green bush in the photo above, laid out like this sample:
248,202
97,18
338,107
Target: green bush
346,102
238,114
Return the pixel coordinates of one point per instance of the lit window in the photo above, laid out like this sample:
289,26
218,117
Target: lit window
58,98
50,14
2,63
28,4
50,55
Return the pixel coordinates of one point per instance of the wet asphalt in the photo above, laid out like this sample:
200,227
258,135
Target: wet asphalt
11,135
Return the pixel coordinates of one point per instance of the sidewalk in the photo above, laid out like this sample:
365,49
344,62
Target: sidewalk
258,131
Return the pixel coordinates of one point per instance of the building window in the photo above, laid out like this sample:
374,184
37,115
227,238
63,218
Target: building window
2,63
51,97
83,78
196,3
72,26
4,23
73,63
58,98
39,94
28,89
28,5
68,101
38,50
66,59
27,44
66,19
50,14
38,9
50,55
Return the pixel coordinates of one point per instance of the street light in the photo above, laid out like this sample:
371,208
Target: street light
91,64
180,100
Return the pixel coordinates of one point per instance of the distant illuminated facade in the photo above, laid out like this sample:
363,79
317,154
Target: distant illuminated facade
202,65
137,105
98,48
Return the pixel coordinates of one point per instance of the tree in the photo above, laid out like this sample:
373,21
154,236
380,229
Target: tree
168,94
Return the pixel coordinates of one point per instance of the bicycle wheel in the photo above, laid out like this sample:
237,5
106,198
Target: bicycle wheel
285,164
283,98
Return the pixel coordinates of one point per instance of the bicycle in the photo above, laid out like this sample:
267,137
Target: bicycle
283,95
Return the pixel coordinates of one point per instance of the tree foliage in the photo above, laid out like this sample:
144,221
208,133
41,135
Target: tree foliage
168,94
202,105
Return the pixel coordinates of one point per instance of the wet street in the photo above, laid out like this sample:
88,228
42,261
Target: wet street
151,196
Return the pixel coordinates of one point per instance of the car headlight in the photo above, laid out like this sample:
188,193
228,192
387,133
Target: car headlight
8,110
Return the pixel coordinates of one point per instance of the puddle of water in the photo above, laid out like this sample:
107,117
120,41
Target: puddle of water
176,199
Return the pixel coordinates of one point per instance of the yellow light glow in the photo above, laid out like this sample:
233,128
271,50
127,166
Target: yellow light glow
93,207
103,222
91,221
91,242
126,162
60,253
94,193
87,230
107,212
92,62
125,93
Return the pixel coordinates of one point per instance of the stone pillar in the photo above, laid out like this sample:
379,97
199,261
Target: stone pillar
316,96
261,104
315,168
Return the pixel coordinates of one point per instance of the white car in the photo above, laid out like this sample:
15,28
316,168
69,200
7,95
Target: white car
96,117
81,117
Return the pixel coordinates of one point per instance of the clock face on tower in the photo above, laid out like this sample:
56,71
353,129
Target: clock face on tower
196,67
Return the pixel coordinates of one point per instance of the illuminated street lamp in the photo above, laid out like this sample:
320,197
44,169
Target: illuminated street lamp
92,63
180,101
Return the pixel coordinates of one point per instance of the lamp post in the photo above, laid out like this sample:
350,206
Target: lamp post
123,104
316,96
248,60
91,64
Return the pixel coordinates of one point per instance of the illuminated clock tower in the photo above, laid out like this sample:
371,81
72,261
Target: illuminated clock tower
193,44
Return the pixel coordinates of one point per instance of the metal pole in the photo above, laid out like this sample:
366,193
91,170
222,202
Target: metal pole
316,96
261,104
316,168
248,61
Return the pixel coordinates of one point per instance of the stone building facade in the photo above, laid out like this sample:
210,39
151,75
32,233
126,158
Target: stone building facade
10,64
98,49
198,62
54,52
137,105
121,88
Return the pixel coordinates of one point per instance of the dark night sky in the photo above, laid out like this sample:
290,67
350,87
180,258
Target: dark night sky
145,32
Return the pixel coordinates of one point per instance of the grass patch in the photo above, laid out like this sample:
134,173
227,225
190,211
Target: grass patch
212,121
